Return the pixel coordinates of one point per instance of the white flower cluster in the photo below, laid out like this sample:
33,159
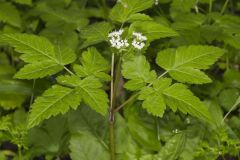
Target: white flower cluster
116,40
156,2
119,43
138,41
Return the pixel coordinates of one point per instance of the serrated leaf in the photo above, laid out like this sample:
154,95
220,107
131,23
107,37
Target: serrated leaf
183,63
139,17
44,58
95,33
54,101
93,64
189,75
153,99
152,30
179,97
9,14
125,8
89,89
137,69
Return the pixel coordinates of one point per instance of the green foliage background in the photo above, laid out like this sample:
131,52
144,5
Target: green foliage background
178,97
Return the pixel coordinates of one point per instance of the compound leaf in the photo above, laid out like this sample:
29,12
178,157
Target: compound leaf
95,33
89,89
137,69
93,64
179,97
54,101
184,63
125,8
44,58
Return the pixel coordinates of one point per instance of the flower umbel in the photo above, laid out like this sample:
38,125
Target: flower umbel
117,41
138,41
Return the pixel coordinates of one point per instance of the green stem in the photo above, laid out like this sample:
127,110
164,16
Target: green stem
70,72
210,6
224,6
19,153
232,108
111,113
130,99
115,78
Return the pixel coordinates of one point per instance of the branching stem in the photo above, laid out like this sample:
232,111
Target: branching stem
130,99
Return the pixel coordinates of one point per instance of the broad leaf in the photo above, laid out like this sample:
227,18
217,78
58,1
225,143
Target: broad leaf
125,8
44,58
179,97
85,146
153,99
90,90
93,64
183,63
54,16
95,33
49,138
137,70
152,30
54,101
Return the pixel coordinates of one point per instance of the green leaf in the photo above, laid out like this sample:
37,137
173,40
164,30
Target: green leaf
9,14
93,64
54,101
64,36
53,16
137,69
142,127
86,146
179,97
228,97
95,33
183,63
125,8
89,89
49,138
173,147
44,58
180,7
153,99
189,75
139,17
152,30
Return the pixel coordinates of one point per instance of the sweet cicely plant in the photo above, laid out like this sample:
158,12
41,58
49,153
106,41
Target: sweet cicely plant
116,94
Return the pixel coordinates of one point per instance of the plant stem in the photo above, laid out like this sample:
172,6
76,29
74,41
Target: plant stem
126,102
232,108
19,153
136,94
111,113
224,6
210,5
70,72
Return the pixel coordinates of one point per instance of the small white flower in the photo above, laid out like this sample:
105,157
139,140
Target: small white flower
156,2
138,41
116,40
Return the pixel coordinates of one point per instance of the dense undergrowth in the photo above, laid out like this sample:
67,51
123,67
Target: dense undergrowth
119,80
